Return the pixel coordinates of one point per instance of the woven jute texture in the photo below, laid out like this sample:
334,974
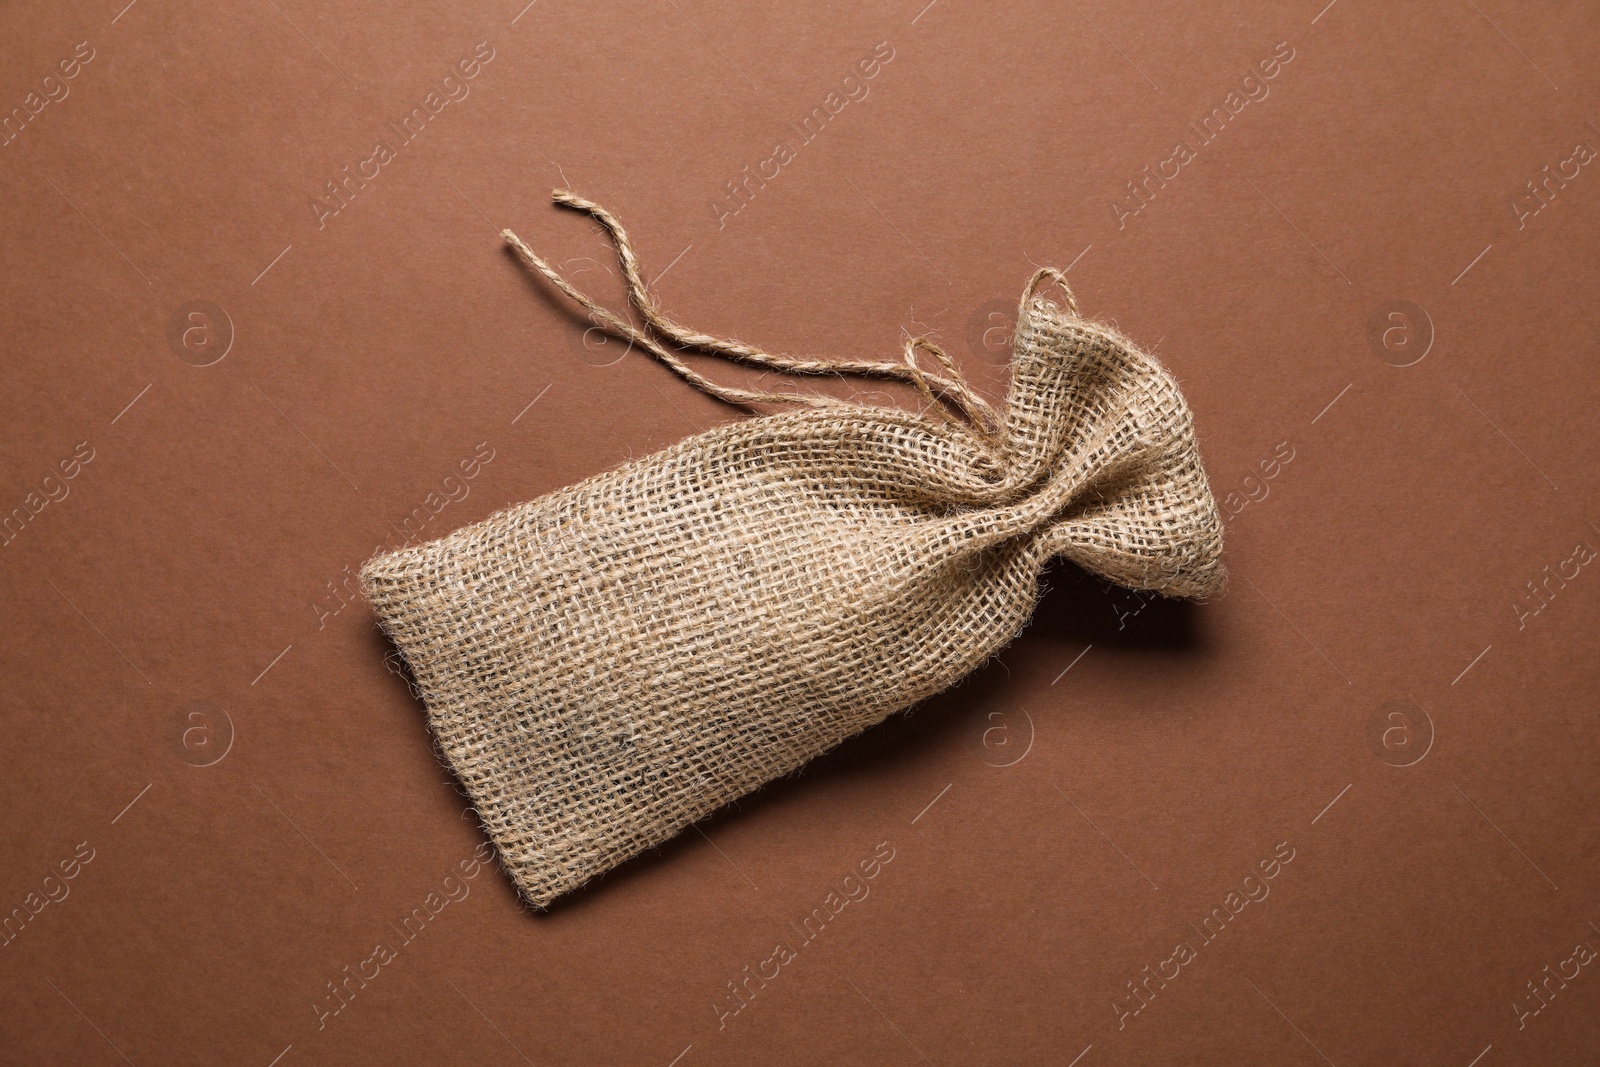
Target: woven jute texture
609,663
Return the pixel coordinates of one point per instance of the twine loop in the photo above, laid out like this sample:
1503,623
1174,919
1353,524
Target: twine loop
943,392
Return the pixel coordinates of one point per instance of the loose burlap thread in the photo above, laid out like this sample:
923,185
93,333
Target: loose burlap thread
610,663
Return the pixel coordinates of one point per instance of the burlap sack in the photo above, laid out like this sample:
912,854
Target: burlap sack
609,663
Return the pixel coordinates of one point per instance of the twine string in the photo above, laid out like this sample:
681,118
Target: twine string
1032,287
950,386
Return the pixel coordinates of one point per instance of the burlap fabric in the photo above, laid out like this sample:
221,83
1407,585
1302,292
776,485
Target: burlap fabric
609,663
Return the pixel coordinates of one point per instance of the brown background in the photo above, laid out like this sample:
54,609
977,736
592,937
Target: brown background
1083,821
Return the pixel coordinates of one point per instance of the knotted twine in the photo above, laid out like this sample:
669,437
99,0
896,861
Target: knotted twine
612,662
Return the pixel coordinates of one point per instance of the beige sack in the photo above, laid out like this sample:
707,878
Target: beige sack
616,660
